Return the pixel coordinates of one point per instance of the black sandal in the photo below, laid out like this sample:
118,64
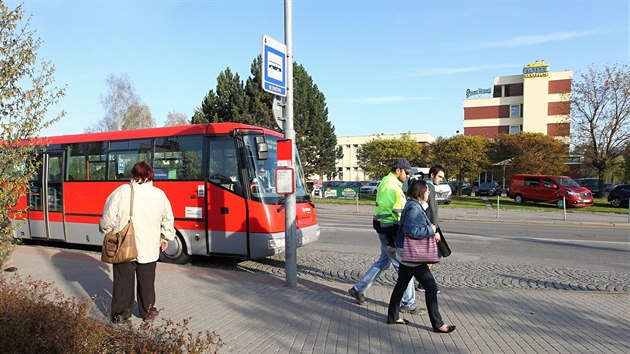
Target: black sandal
399,321
449,329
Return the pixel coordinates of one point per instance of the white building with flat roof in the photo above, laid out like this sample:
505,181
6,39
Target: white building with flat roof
348,166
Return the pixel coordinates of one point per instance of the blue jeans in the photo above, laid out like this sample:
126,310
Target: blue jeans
382,263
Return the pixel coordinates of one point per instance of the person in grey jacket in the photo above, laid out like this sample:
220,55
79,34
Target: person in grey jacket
414,223
153,226
436,175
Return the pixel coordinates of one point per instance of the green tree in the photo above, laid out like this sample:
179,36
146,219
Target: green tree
315,135
123,108
27,92
463,157
260,102
376,156
529,153
228,104
601,116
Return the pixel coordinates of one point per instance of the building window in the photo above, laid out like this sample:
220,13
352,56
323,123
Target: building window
515,111
498,91
515,129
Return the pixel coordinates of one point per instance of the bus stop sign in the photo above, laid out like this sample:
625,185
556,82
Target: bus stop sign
274,61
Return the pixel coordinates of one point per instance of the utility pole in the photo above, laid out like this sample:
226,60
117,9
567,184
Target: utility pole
290,250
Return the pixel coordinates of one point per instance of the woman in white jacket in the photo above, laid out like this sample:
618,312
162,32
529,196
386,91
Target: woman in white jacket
153,227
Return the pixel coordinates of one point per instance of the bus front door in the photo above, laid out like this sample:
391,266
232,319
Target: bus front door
226,208
45,199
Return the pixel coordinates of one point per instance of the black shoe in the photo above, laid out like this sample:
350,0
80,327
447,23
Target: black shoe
9,269
152,314
449,329
355,294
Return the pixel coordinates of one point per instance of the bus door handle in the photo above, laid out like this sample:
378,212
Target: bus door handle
225,210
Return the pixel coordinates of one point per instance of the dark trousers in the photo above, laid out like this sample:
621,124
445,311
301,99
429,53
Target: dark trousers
124,276
423,274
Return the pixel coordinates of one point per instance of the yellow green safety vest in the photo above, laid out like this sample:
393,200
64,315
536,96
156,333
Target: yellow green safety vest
390,201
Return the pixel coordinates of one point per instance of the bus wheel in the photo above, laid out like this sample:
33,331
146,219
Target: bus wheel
518,199
175,252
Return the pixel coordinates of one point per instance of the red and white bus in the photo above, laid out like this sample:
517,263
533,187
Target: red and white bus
208,172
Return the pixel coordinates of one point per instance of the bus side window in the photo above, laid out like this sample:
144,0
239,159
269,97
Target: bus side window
223,165
178,157
86,161
124,154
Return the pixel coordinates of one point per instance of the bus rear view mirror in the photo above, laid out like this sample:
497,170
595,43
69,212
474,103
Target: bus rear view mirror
262,149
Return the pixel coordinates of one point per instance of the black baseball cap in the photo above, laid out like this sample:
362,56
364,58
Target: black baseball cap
404,164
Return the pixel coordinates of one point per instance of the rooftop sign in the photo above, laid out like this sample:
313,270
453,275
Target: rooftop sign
478,91
536,69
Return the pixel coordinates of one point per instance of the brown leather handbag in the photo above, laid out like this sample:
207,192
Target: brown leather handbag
120,247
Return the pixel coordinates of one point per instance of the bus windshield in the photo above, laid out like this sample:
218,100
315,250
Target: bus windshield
262,172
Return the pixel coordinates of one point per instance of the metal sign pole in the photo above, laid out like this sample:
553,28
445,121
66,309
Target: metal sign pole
290,250
498,206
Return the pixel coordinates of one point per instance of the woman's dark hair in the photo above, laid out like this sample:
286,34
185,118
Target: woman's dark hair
142,172
416,189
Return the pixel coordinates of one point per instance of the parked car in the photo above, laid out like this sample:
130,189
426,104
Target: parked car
619,195
370,187
489,188
591,183
549,188
466,187
608,187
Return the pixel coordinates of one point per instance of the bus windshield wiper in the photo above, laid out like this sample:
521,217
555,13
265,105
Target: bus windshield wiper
281,201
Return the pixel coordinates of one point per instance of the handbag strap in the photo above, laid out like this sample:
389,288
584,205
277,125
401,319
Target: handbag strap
131,203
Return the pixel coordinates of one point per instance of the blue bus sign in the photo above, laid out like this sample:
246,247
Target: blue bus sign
274,61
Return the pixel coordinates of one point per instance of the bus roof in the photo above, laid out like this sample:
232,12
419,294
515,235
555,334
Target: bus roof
202,129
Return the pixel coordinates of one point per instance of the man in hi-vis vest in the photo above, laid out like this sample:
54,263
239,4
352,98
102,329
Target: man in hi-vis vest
390,201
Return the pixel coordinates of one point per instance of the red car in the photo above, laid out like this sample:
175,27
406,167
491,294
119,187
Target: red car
549,188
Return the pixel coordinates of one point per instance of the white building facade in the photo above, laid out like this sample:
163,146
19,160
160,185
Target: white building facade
348,166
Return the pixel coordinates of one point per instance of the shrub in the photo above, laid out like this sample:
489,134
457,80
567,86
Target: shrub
36,317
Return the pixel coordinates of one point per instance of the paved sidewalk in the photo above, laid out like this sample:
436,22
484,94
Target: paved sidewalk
256,313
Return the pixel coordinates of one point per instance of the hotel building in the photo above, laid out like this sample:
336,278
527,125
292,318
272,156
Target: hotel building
536,101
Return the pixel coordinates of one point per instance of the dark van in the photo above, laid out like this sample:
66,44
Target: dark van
549,188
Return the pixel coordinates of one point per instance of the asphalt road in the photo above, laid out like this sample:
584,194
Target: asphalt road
485,255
